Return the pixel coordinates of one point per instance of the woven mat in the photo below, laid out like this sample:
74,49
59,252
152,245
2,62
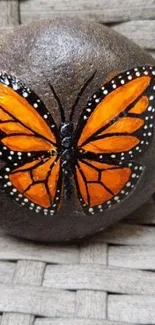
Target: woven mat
110,279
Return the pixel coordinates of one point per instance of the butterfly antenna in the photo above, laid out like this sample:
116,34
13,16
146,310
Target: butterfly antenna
62,113
80,94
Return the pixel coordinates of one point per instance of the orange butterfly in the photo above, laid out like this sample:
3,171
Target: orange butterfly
41,159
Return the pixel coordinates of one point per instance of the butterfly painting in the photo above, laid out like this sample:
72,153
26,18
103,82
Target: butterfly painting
46,163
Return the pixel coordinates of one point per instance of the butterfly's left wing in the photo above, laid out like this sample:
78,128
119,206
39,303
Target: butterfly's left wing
29,145
36,184
115,128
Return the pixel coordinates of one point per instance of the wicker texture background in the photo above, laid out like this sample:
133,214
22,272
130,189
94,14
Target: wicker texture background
110,279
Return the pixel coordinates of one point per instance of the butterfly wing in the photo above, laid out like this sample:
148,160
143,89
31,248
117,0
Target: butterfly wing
115,128
35,185
29,142
101,185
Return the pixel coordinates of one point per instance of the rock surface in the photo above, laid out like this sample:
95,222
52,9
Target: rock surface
66,52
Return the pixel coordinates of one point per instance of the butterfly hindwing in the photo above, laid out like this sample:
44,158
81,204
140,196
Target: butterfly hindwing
101,185
35,185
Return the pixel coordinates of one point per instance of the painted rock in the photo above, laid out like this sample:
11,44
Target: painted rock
76,129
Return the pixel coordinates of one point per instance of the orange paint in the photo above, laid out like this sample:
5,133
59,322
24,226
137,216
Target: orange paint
98,194
20,109
140,106
113,179
113,104
112,144
82,186
38,194
53,179
125,124
41,172
100,165
91,173
13,128
116,179
4,116
26,143
27,165
20,180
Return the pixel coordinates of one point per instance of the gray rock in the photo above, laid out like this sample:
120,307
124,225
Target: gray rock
66,52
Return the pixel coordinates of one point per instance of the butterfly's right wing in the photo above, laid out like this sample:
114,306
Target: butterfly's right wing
114,129
101,185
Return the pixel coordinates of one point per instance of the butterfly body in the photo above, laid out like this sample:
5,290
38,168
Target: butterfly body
67,156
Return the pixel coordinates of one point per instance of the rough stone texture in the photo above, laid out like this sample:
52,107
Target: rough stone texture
66,53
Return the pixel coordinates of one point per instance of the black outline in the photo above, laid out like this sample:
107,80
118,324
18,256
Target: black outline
61,110
80,94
